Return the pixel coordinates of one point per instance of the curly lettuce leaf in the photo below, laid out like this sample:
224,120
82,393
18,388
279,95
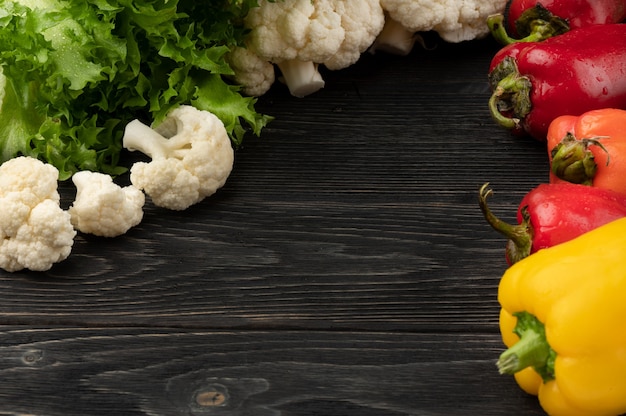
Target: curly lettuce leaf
47,54
75,73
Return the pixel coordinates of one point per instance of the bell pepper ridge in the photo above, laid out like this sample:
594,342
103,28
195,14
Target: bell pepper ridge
532,349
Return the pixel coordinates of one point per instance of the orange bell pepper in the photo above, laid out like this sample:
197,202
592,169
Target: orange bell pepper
589,149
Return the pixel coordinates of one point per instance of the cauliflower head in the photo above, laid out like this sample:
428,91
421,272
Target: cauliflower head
362,21
454,20
296,36
192,156
299,35
35,232
294,29
104,208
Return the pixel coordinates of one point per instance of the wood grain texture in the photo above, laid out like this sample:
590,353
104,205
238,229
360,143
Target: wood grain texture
344,269
60,371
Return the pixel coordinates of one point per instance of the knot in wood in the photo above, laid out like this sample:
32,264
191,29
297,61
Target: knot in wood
31,357
210,398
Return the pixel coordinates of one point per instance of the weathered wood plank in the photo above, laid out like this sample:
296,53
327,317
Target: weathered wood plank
122,371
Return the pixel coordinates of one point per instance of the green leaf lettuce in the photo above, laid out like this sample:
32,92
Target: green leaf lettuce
74,73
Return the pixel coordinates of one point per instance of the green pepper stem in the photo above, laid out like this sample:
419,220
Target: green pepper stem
532,349
511,91
529,351
572,161
495,22
519,244
539,23
504,121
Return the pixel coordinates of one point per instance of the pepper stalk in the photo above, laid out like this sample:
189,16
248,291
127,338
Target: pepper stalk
510,100
520,237
572,161
532,350
535,24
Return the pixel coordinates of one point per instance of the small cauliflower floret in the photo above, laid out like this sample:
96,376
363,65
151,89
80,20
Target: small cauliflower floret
192,156
255,75
298,36
35,232
454,20
104,208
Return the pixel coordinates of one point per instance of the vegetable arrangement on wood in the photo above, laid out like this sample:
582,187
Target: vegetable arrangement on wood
177,80
563,82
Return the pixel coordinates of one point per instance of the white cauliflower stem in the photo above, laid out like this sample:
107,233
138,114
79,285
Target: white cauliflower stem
104,208
192,156
454,21
35,232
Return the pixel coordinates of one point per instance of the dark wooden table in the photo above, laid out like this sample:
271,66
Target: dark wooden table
344,270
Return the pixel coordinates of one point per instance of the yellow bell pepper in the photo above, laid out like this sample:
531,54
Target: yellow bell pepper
563,318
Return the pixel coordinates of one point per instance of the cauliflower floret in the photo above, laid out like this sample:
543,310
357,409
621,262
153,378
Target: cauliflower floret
362,21
192,156
35,232
255,75
104,208
300,35
469,21
454,21
295,35
294,29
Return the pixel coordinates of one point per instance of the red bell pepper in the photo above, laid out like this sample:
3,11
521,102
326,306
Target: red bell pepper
581,70
589,149
552,214
536,20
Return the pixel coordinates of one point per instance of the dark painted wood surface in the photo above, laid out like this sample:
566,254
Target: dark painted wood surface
344,269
